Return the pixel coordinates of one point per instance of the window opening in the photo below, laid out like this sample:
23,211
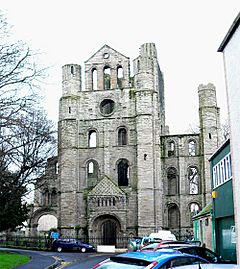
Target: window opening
172,181
92,139
192,148
69,110
210,136
194,208
173,216
123,171
171,148
122,137
94,79
72,70
193,179
107,78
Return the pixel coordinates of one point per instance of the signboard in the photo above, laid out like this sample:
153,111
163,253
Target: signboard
54,235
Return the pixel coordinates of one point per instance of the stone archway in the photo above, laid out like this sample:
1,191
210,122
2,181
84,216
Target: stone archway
42,214
107,228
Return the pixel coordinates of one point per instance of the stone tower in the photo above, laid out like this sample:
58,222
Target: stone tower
109,138
209,120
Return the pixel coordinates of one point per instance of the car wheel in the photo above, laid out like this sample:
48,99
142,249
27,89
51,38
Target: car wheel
83,250
59,249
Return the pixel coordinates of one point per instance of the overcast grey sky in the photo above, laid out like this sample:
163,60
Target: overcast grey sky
187,34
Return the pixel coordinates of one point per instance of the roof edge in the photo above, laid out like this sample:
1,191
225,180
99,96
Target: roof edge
230,33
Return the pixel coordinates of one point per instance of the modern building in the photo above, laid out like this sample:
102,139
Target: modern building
223,206
230,47
119,171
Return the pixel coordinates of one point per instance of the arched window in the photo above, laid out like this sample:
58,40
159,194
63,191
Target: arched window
192,148
107,77
94,79
72,70
54,198
92,173
193,179
119,76
172,182
173,216
45,197
194,209
171,148
138,65
123,171
92,139
122,137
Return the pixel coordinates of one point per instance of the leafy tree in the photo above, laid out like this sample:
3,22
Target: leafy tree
26,135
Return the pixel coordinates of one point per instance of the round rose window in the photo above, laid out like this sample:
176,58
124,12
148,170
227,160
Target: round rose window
107,106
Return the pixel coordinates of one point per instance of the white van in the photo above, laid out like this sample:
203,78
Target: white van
163,235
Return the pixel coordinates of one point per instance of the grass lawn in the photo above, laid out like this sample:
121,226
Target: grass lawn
9,260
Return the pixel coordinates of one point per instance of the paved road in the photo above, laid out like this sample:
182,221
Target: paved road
68,260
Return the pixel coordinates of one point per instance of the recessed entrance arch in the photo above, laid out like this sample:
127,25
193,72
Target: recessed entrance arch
107,227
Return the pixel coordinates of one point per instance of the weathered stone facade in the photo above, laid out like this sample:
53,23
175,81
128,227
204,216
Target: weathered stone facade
120,172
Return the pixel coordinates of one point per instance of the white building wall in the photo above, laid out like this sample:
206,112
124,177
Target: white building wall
231,55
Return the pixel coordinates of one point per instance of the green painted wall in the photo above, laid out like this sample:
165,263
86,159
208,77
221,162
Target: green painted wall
223,204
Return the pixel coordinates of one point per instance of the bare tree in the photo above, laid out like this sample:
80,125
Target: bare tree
27,137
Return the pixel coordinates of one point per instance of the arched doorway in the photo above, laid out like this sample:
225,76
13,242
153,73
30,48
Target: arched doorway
109,228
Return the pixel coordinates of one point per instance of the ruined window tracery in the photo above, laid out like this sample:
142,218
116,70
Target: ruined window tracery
92,139
171,148
94,79
172,182
173,216
194,209
122,137
192,148
193,179
123,172
107,78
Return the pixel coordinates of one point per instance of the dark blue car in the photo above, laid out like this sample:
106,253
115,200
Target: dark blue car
71,244
149,260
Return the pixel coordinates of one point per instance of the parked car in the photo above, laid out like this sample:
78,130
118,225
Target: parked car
164,244
71,244
203,252
150,260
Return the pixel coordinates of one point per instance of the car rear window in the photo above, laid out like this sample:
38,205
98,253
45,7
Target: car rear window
120,265
130,261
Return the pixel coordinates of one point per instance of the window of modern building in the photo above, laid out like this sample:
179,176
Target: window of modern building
123,172
92,139
122,136
193,179
222,171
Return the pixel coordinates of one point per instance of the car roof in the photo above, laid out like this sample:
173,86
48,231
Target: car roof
150,256
210,266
